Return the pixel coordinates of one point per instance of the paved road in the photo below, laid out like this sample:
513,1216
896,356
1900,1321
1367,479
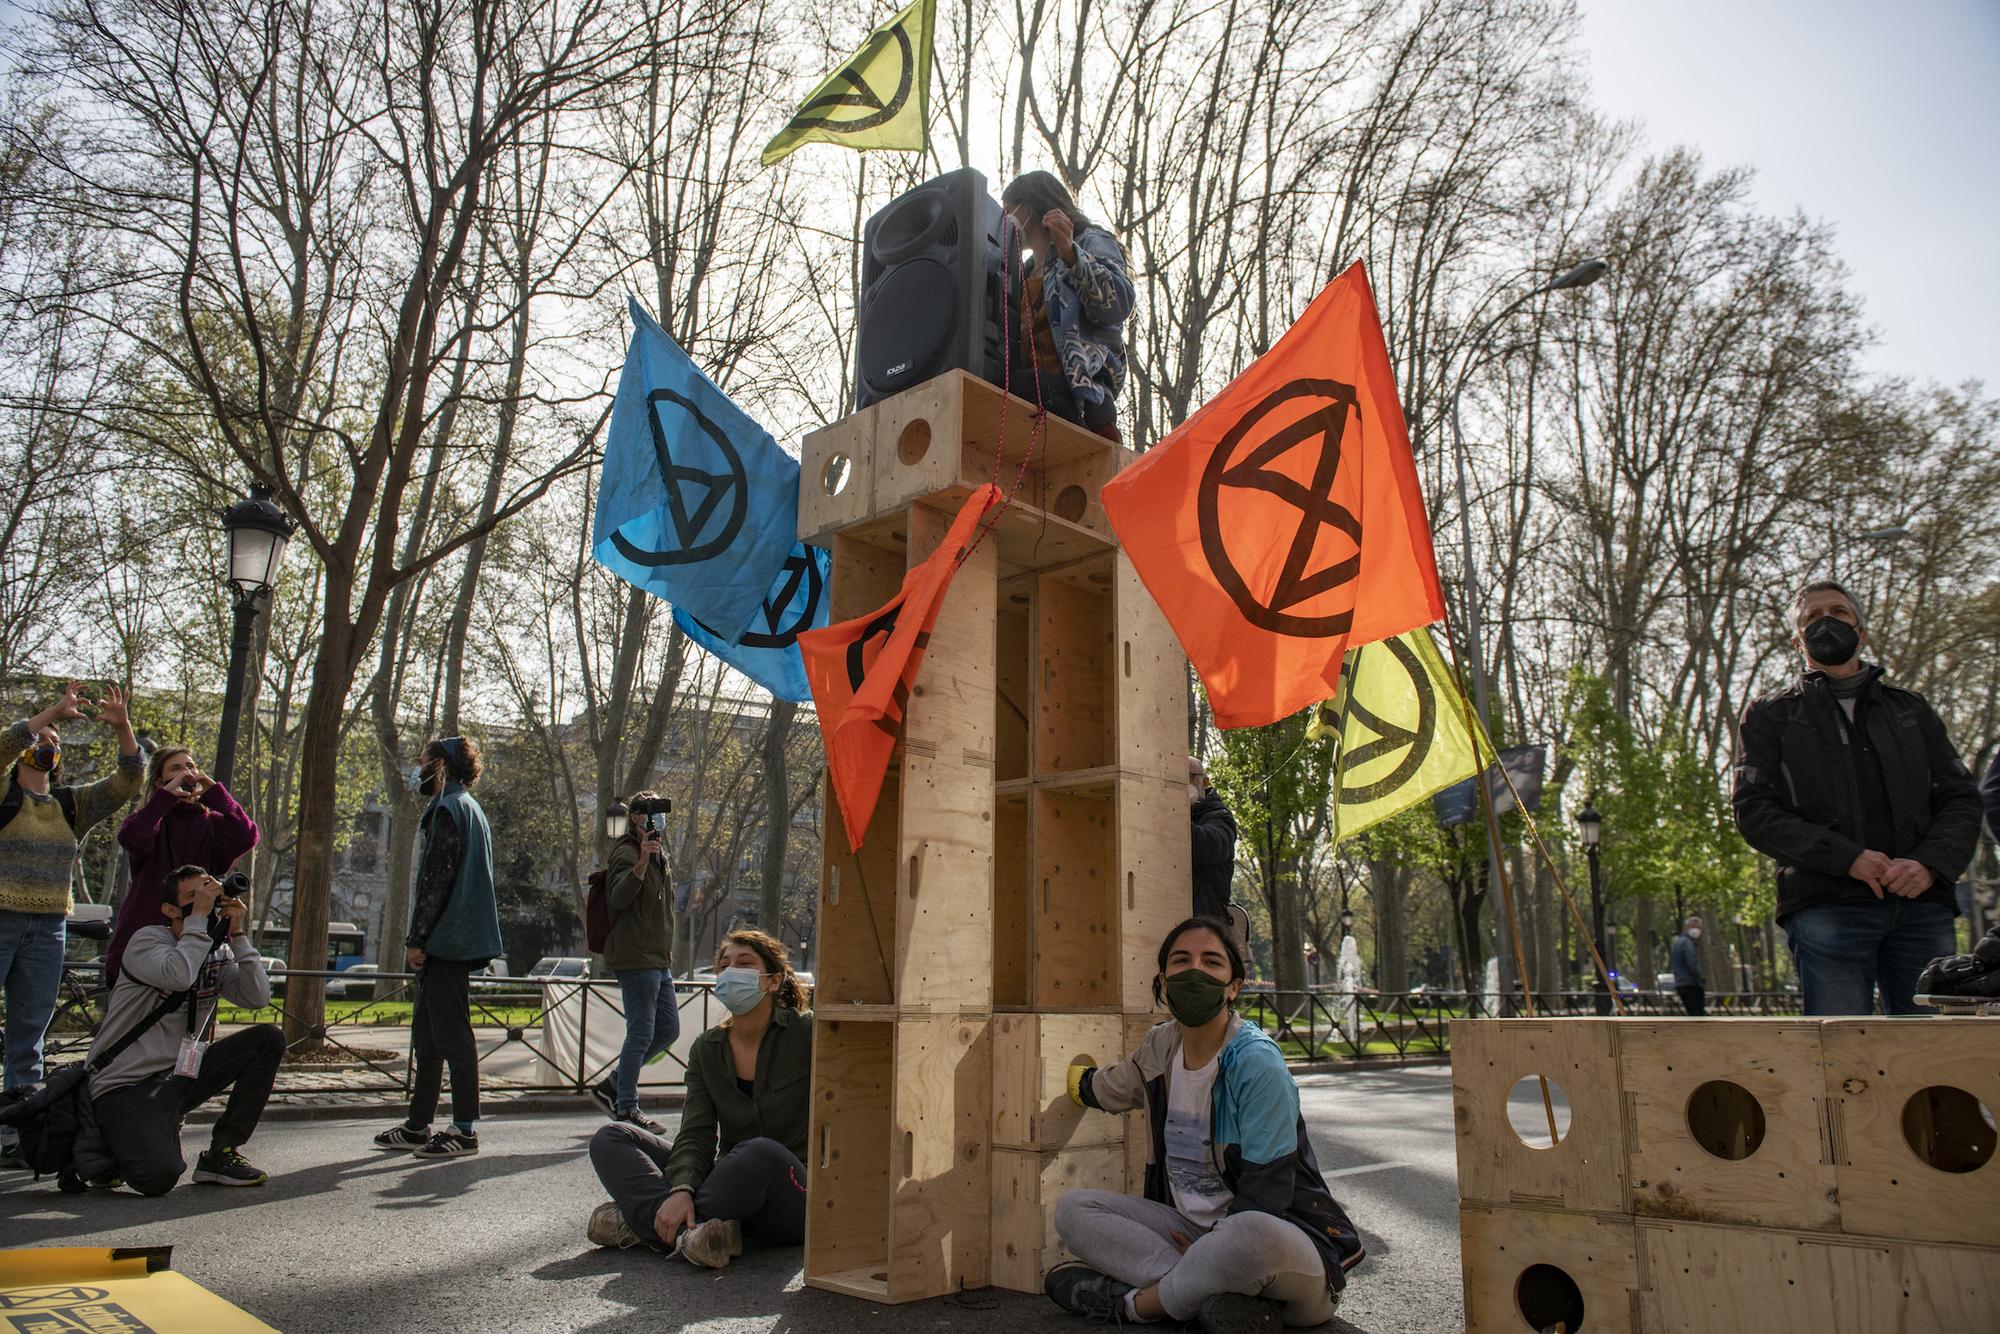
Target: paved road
345,1238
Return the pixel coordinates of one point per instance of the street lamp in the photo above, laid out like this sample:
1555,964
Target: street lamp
1580,275
1346,922
258,531
1590,827
616,820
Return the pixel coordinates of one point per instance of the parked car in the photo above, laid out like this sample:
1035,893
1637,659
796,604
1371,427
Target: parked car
357,983
550,965
493,976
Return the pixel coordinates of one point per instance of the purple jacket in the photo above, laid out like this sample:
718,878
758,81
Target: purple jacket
166,833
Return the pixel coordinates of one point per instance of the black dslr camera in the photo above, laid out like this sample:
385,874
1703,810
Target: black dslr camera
651,812
234,886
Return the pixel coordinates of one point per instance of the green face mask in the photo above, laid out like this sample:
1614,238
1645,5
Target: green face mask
1195,997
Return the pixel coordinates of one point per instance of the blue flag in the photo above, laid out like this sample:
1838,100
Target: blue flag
768,652
697,504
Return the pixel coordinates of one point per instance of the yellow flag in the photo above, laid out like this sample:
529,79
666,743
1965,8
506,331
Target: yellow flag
877,99
1401,724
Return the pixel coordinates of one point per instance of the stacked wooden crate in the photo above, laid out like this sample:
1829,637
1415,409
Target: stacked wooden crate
1029,851
1786,1176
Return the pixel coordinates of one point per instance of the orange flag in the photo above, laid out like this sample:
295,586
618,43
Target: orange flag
861,671
1282,524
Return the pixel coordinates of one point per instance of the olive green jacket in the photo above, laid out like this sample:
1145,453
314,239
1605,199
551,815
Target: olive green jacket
776,1108
642,912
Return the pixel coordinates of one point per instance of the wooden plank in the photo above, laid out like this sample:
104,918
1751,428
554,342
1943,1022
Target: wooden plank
1154,877
1151,683
1586,1169
1032,1056
943,913
1072,671
1013,706
857,903
1026,1189
847,1214
1901,1092
1073,488
919,437
951,707
1073,960
941,1225
865,574
1688,1133
1138,1129
1703,1279
1011,942
1527,1269
829,501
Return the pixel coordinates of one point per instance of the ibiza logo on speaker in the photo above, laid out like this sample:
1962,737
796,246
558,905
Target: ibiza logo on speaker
897,369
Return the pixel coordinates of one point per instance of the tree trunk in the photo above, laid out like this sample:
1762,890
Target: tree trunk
1641,962
404,816
319,773
1388,885
777,814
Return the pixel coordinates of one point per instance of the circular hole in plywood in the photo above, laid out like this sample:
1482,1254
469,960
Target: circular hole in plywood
1549,1299
1529,1114
1726,1119
914,442
1949,1128
833,478
1071,502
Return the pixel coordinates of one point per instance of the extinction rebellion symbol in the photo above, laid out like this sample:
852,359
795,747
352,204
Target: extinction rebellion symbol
861,107
781,624
1411,739
1309,415
730,488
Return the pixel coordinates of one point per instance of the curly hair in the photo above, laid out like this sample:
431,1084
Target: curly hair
461,757
792,993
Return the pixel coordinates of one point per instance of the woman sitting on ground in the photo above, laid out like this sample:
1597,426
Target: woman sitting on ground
1237,1229
1070,352
750,1078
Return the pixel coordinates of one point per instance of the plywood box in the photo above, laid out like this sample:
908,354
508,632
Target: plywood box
1156,877
1726,1121
1032,1056
1703,1279
901,1200
1027,1186
1913,1139
1528,1271
1585,1169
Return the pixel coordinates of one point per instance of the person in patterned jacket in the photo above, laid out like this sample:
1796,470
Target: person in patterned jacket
1069,354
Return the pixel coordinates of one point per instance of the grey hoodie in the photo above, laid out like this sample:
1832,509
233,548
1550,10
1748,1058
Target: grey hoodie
156,965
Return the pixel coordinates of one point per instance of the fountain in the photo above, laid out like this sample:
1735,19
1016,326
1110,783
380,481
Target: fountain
1347,978
1493,987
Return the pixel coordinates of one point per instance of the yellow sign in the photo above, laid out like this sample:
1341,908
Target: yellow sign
71,1289
878,99
1400,721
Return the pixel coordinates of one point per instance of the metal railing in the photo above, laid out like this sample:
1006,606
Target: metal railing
1324,1023
518,1009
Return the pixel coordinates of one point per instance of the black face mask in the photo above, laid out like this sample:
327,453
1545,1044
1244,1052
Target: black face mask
1832,642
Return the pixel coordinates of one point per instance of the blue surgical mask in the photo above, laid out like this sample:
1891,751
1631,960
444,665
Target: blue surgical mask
739,989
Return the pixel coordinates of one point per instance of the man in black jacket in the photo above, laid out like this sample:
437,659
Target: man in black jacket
1214,830
1852,787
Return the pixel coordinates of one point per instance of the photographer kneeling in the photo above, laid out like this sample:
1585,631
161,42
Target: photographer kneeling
140,1098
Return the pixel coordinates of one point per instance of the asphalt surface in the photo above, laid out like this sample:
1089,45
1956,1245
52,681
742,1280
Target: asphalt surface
349,1238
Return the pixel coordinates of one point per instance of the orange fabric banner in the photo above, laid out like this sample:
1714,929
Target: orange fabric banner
861,671
1282,524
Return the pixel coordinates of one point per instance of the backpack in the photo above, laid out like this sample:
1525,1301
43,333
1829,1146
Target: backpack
10,805
50,1116
597,919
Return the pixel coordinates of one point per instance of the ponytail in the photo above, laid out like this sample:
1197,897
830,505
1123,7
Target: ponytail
790,993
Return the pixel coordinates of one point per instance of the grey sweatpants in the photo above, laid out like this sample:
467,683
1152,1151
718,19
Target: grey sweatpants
1259,1255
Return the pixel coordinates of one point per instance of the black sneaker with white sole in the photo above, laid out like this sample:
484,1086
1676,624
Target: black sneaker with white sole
227,1167
447,1144
635,1117
403,1137
601,1093
1081,1290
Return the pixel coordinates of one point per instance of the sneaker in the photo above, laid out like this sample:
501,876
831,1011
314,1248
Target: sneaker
11,1159
635,1117
1235,1313
602,1095
1081,1290
609,1228
227,1167
711,1244
447,1144
402,1137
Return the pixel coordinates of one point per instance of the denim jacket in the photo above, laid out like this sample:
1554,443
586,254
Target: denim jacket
1088,303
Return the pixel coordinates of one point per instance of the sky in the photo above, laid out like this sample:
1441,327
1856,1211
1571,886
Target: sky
1880,119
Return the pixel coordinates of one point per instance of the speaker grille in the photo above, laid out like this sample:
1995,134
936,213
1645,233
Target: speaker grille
908,326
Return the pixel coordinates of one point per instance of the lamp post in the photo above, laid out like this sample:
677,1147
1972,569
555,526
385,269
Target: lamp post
616,820
1581,275
258,531
1590,826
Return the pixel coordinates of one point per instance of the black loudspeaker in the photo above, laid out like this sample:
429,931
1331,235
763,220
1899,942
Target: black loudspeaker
932,277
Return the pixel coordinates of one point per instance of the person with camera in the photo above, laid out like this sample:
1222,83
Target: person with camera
138,1101
639,953
188,819
454,932
749,1085
42,820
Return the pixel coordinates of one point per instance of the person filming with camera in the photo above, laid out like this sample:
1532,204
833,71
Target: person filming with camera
175,972
188,819
638,951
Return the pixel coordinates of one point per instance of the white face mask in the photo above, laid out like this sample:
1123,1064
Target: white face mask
1694,933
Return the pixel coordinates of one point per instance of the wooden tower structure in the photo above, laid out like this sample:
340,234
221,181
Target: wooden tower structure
1029,851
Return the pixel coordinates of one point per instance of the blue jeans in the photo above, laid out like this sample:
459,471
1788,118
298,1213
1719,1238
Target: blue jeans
652,1022
1845,951
31,967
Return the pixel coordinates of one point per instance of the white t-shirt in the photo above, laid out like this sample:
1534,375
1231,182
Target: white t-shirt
1199,1192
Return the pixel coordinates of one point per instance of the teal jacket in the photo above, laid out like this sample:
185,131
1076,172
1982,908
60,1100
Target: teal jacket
467,929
